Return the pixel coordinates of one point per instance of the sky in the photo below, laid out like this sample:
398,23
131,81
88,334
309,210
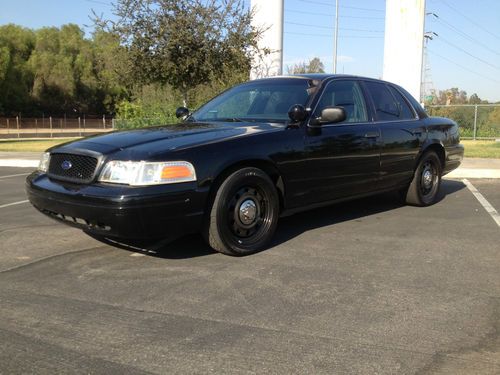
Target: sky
465,54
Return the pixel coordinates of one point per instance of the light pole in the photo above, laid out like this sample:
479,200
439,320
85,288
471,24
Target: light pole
336,37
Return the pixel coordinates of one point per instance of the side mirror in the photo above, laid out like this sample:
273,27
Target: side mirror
297,113
331,115
181,112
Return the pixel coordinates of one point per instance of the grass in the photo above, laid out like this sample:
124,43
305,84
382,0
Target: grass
473,149
481,149
31,145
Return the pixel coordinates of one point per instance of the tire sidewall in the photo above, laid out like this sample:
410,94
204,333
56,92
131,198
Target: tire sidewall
239,179
429,199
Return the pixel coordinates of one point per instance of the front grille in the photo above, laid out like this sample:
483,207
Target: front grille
72,167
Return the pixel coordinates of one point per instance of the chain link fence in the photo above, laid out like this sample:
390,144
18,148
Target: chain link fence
52,127
476,121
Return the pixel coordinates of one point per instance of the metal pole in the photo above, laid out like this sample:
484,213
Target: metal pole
104,121
79,126
17,125
475,121
336,37
36,127
8,127
50,123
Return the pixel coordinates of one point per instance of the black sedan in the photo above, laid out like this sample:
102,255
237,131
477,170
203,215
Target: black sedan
260,150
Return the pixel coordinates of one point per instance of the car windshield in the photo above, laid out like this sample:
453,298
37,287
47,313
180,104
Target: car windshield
266,100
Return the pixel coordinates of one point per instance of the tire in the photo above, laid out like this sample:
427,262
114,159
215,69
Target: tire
244,213
426,182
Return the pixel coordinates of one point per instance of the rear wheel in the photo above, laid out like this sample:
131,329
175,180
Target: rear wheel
426,181
244,213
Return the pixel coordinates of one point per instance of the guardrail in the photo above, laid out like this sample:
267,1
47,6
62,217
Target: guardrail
52,127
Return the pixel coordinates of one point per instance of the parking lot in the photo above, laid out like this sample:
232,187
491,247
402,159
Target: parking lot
369,286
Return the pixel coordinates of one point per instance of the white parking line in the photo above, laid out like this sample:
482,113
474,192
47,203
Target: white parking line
13,204
487,206
21,163
14,175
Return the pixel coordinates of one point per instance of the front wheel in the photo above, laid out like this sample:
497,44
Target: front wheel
244,213
426,181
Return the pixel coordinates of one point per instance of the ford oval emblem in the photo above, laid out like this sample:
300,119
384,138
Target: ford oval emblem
66,165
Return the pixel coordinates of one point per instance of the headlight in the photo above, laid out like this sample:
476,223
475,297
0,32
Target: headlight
43,165
139,173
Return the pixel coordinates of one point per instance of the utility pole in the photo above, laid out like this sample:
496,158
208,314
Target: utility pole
336,37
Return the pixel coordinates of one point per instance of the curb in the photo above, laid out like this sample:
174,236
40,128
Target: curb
474,173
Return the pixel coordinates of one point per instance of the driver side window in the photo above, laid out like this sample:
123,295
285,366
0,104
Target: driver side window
345,94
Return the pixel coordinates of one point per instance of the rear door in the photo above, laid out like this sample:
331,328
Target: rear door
401,133
343,158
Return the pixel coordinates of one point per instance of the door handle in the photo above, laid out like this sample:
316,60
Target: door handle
372,135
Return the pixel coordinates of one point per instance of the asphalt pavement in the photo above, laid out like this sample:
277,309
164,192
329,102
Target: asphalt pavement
364,287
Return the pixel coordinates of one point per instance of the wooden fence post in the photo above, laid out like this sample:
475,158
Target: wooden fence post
36,126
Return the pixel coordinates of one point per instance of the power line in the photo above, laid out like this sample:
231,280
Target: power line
332,15
461,33
331,27
340,36
463,67
98,2
467,53
342,6
470,20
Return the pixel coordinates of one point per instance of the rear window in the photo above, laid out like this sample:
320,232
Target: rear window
389,103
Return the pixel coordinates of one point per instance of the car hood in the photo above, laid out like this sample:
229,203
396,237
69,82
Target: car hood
158,139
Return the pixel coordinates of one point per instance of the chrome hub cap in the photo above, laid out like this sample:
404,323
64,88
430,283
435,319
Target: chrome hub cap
247,212
427,178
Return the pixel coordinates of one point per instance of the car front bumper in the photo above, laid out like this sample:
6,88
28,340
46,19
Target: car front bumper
116,211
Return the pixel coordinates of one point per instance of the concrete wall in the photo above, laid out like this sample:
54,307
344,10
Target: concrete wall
268,17
403,45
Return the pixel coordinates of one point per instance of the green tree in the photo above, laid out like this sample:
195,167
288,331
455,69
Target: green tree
185,43
313,66
16,45
62,60
112,70
474,99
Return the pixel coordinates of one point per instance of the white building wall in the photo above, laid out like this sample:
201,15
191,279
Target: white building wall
268,16
403,45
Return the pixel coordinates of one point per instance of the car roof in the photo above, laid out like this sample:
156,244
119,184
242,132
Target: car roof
324,76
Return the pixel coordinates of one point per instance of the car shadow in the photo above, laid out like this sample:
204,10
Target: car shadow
192,246
293,226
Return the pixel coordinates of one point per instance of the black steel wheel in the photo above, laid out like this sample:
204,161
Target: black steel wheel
426,182
244,213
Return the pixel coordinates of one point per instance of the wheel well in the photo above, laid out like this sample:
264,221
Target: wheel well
263,165
438,149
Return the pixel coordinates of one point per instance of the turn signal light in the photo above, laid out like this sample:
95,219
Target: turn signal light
176,171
